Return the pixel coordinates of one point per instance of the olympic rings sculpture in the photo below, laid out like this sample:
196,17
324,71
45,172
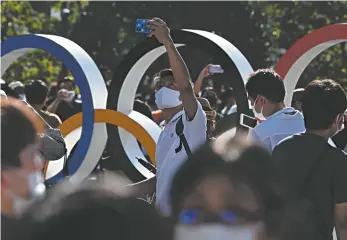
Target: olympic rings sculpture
93,135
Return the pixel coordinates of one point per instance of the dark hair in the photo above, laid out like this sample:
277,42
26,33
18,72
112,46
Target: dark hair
268,83
94,213
36,92
228,93
251,165
66,80
165,72
322,101
143,108
158,77
9,91
19,127
245,163
211,96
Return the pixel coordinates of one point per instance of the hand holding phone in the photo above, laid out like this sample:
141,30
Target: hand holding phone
141,26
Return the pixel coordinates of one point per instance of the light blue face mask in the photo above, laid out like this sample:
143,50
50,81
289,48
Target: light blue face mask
167,98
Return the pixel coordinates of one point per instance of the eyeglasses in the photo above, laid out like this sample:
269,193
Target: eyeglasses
196,216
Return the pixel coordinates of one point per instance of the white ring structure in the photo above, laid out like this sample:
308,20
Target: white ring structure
292,77
99,97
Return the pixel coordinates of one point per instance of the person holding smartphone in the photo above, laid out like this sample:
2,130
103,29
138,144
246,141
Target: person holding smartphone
174,95
266,93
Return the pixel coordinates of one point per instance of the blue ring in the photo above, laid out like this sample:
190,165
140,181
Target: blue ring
40,42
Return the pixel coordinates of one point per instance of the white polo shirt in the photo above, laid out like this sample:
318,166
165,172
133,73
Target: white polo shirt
277,127
168,161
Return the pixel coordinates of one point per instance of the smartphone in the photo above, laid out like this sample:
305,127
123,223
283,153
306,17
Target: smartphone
248,121
216,69
141,26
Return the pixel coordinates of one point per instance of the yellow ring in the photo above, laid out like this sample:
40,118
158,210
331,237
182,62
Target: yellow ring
115,118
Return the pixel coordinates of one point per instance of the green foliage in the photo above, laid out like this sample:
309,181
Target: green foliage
20,17
261,30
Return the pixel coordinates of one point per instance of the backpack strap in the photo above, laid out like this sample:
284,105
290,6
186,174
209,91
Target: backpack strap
183,140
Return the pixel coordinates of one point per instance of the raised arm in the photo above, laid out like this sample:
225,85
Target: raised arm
204,73
178,66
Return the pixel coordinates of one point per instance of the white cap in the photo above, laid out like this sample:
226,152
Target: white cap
2,81
15,84
2,93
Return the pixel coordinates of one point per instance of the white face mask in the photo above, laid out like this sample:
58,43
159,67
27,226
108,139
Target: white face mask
37,190
70,95
167,98
216,232
260,115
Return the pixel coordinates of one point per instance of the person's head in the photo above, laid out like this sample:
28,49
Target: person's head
36,92
226,188
266,92
228,97
66,83
18,88
212,97
323,105
297,95
94,212
68,86
167,95
210,115
21,161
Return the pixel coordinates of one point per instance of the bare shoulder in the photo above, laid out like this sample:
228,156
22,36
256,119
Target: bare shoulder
51,118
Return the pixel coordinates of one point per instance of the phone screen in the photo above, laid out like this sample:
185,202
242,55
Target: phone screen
248,121
141,26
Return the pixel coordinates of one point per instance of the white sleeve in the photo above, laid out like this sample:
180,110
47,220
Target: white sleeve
252,135
198,124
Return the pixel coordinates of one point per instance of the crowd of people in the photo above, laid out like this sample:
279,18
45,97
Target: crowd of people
286,179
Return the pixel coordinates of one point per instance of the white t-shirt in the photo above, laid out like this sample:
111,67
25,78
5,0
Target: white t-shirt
231,110
277,127
168,161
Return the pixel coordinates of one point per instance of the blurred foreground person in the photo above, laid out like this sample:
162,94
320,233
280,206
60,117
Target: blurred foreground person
266,93
21,163
94,210
66,103
228,190
311,167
